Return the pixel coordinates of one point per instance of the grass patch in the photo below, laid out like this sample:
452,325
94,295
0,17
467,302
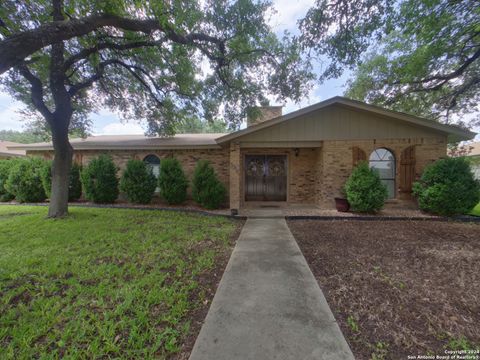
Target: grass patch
104,282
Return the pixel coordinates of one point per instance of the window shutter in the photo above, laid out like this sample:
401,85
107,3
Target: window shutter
358,155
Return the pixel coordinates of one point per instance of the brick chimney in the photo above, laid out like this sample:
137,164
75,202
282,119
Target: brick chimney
266,113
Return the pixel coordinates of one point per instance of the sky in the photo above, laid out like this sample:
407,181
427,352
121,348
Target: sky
288,12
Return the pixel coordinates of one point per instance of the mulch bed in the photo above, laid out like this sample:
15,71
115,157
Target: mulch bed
208,284
398,288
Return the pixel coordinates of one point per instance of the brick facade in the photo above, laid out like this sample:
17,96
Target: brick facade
315,175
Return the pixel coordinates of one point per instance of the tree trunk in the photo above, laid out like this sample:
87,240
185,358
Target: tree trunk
62,164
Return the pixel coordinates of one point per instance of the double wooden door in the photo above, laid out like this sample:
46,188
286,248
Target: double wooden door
266,178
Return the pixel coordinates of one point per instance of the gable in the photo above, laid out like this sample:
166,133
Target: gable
338,122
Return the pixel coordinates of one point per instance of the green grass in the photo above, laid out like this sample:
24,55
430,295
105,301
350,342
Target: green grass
476,210
103,282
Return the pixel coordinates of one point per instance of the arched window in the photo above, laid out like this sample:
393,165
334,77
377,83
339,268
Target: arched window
384,161
154,163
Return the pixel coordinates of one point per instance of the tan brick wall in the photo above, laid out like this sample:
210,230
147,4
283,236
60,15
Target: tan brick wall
301,172
336,161
188,158
316,175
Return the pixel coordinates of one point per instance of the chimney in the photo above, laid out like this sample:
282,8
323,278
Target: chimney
263,113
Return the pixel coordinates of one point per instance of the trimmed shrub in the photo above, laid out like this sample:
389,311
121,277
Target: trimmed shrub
138,182
46,176
5,166
74,185
99,180
172,181
207,190
364,189
447,187
24,180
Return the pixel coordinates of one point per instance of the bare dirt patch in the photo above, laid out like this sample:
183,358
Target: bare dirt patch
398,288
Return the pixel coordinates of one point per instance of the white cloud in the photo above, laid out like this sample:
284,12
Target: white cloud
10,119
118,128
288,12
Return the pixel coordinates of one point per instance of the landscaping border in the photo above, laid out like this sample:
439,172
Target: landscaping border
129,207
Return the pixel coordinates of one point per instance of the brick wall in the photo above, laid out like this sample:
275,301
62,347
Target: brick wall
315,175
301,172
219,158
336,163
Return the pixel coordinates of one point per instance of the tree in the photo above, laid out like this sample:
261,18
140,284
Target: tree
143,59
418,56
24,137
194,125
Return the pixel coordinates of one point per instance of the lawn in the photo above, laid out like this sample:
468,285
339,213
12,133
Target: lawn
398,288
476,210
107,283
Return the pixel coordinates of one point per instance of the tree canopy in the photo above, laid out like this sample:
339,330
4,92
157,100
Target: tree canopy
417,56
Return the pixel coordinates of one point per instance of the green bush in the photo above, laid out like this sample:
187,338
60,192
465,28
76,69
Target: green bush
364,189
138,182
447,187
99,180
24,180
5,166
172,181
74,185
207,190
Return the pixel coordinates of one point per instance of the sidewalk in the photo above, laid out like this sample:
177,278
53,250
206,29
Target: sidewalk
268,304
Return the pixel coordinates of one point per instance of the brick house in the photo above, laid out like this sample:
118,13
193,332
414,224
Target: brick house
303,157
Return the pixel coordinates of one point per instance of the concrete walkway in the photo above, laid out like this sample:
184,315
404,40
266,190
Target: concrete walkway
268,304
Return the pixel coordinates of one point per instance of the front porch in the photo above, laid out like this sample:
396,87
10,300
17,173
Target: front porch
393,208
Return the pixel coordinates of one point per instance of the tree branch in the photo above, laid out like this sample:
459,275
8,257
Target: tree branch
15,48
36,91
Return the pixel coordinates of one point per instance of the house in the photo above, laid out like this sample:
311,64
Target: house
303,157
474,156
6,153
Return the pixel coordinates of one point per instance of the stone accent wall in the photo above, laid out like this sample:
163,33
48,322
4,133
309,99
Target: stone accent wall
336,163
188,158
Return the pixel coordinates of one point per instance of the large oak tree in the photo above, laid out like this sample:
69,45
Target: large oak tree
156,61
417,56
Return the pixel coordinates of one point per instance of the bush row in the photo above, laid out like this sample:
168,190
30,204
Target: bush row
447,187
30,180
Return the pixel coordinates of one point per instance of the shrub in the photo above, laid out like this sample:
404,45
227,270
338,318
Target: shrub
5,166
24,180
138,182
207,190
99,180
364,189
447,187
172,181
74,185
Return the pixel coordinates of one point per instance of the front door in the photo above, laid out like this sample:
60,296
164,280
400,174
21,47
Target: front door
265,178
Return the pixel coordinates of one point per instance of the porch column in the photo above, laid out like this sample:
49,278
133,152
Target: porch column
235,176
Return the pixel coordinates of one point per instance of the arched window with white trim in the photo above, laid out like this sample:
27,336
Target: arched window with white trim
154,162
384,161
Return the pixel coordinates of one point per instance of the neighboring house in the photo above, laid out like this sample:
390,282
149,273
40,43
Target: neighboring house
474,155
303,157
6,153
